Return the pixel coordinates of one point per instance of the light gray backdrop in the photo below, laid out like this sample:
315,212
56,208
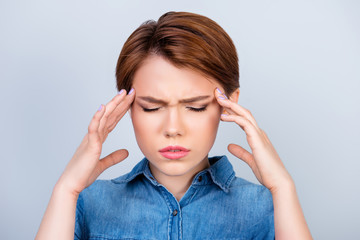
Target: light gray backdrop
299,63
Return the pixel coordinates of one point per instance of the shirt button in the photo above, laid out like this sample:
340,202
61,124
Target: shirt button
200,178
151,178
174,212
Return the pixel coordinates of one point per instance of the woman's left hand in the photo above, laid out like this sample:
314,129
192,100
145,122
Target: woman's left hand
264,160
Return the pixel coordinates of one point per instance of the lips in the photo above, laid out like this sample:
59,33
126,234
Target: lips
174,152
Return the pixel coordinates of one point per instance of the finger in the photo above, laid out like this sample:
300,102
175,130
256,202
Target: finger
110,106
120,111
218,94
241,153
112,159
93,135
253,134
244,123
247,157
234,108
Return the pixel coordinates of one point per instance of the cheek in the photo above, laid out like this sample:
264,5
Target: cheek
146,122
142,126
141,120
206,123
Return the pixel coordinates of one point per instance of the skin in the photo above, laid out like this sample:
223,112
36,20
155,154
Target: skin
173,123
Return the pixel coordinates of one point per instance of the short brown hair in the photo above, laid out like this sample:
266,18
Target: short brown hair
185,39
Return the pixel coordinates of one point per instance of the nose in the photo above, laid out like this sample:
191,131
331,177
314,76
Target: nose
173,124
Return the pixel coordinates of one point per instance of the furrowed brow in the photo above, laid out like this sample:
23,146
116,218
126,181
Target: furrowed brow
194,99
187,100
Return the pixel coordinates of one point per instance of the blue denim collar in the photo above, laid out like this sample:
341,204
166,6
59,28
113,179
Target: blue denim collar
220,170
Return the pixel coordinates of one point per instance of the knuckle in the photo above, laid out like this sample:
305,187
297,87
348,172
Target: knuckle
111,127
239,120
247,111
106,116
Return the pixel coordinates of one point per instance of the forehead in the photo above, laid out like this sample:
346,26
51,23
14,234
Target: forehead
160,77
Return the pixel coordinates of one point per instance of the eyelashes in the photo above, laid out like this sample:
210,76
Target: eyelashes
197,109
150,109
202,109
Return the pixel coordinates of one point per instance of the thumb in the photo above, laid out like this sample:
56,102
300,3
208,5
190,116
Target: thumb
241,153
113,158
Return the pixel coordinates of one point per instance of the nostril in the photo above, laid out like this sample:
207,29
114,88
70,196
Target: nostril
174,134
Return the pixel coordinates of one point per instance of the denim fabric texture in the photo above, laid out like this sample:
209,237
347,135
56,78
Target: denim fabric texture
217,205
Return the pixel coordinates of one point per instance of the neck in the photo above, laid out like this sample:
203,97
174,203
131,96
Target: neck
178,184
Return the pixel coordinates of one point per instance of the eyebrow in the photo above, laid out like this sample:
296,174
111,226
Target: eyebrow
186,100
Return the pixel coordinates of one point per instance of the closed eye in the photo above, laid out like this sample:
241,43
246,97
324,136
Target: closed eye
190,108
150,109
197,109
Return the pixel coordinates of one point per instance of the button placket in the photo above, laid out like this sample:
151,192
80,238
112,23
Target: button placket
174,221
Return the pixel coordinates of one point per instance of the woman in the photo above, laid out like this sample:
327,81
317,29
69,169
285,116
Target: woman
181,75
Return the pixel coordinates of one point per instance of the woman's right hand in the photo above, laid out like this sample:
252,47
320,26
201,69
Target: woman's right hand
85,166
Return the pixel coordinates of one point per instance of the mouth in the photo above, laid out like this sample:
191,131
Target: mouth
174,152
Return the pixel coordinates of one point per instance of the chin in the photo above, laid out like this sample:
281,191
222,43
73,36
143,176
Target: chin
175,168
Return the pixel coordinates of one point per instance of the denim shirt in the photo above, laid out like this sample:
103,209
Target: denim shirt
217,205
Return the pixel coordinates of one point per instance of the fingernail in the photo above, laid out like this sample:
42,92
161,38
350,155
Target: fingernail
224,115
219,90
132,89
121,91
100,107
221,97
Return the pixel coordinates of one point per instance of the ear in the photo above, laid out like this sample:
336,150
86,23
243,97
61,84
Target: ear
234,97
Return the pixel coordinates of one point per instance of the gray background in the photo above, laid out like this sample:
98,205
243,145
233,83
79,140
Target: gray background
299,63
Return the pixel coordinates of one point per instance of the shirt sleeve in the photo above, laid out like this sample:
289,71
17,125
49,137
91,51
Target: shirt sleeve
79,218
